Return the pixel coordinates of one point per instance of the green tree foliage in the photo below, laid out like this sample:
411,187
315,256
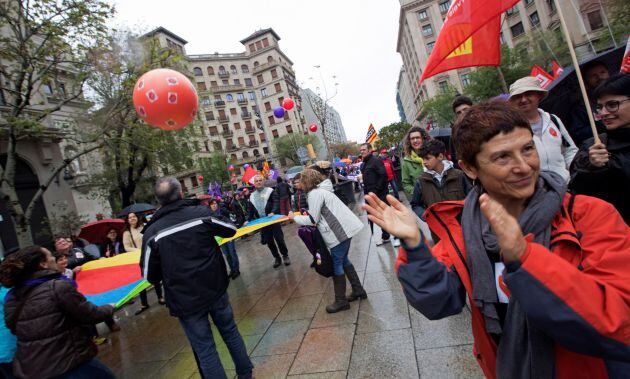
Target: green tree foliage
215,168
286,146
618,14
439,109
135,153
44,63
391,135
343,150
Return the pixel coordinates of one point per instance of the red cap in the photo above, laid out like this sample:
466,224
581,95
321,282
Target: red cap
384,151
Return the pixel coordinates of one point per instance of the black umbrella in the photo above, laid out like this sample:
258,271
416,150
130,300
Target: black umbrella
136,208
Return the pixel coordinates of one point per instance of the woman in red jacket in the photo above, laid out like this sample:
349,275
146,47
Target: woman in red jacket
547,274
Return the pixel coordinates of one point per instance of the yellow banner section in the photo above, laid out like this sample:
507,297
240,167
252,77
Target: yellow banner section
132,257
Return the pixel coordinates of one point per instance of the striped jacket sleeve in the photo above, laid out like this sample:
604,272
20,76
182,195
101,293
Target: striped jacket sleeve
585,308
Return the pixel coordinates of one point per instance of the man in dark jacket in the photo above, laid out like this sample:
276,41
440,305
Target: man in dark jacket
179,249
284,196
374,180
264,202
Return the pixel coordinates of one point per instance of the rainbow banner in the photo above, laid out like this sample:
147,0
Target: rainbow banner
118,279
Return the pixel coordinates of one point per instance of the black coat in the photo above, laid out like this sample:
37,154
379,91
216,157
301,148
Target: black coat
374,176
283,190
299,201
54,326
611,182
179,249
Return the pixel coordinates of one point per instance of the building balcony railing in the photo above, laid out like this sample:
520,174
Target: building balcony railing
227,133
253,144
265,66
232,148
250,130
224,74
219,103
246,115
227,88
243,101
224,119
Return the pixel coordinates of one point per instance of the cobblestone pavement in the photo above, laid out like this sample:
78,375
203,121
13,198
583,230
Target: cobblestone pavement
281,315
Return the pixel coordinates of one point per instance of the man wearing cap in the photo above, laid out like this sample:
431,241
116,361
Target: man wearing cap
554,144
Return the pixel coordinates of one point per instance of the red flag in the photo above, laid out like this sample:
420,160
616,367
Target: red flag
556,69
249,174
469,36
543,76
625,63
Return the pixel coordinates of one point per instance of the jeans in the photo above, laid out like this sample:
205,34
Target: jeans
199,333
229,249
340,257
143,294
92,369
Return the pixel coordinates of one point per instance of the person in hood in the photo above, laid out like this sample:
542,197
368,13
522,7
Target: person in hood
439,182
554,144
50,319
603,169
337,224
180,250
546,273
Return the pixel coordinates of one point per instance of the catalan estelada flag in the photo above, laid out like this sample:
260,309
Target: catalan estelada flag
469,36
371,135
118,279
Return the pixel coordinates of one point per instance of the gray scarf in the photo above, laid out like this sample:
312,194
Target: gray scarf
524,351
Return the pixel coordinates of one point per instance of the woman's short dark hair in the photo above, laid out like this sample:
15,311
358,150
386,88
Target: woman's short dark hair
482,122
616,85
18,267
461,100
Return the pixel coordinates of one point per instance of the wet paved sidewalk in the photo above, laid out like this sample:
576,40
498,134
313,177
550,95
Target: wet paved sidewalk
281,315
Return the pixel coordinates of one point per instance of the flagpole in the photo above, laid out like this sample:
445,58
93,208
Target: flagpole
502,79
578,72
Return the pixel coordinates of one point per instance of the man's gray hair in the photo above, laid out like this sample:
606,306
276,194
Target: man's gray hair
167,190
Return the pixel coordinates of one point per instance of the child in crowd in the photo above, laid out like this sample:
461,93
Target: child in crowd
62,265
440,181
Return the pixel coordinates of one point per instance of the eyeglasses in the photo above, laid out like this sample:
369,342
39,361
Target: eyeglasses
611,106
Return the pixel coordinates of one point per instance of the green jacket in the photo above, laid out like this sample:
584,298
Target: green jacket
411,171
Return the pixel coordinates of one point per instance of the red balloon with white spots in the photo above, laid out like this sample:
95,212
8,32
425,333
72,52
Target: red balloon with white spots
165,99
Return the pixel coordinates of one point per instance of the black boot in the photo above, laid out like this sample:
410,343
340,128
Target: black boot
340,304
357,289
277,263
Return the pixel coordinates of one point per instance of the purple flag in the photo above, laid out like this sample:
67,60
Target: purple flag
210,189
273,174
217,189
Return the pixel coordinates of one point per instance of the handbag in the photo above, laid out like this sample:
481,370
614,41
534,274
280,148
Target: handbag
322,259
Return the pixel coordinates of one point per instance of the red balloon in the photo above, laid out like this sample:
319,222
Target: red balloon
313,128
200,178
288,103
165,99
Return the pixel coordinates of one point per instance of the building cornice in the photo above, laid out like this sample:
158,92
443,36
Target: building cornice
403,12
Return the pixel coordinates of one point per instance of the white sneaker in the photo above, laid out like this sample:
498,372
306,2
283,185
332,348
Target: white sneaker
396,242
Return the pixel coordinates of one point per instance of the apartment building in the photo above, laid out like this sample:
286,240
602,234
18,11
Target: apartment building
334,131
421,21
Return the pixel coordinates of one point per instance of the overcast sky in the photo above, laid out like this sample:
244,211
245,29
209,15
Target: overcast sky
352,39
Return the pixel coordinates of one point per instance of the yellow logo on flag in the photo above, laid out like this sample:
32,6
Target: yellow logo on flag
463,49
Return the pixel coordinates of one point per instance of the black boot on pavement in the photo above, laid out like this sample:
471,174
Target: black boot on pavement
277,263
341,303
357,289
286,260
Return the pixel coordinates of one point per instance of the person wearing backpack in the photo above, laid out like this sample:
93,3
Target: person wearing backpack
337,225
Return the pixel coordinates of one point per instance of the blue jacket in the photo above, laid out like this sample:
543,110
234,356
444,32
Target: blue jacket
7,339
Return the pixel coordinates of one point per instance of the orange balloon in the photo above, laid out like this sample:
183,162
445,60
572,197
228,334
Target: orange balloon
165,99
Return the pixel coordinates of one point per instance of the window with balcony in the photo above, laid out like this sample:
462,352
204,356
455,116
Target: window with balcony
256,153
465,79
237,82
260,79
289,129
245,155
262,138
427,30
201,86
258,45
265,150
233,70
214,83
274,73
241,141
444,6
443,86
552,5
263,92
240,97
517,30
244,69
197,71
233,157
229,97
210,70
233,111
237,126
205,101
256,64
278,87
274,133
225,82
217,145
595,20
251,95
269,59
280,100
535,20
252,47
512,11
423,15
265,42
209,116
430,47
248,124
272,120
528,2
267,106
213,130
248,82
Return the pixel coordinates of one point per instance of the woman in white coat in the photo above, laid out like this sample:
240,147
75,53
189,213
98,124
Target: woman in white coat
337,224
